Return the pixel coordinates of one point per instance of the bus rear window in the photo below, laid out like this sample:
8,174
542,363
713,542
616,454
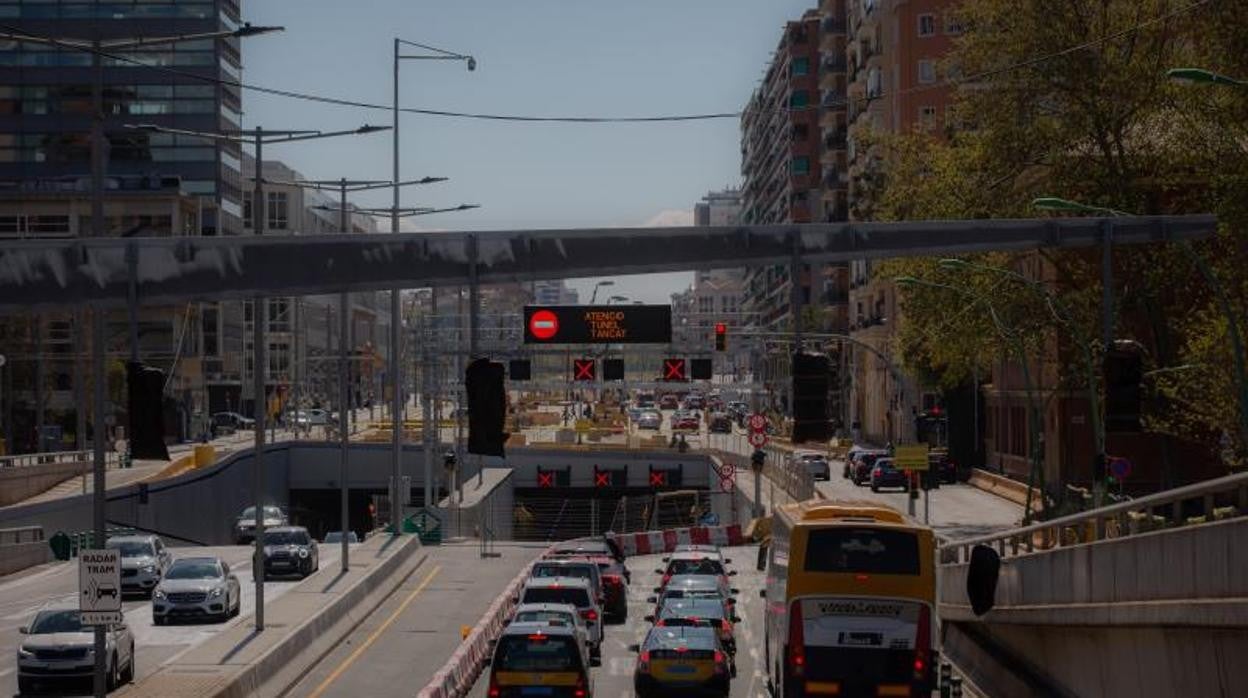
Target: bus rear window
576,597
539,653
862,550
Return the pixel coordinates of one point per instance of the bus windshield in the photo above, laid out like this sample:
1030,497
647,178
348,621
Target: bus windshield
862,550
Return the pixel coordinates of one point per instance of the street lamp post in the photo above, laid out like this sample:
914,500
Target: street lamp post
1196,258
259,137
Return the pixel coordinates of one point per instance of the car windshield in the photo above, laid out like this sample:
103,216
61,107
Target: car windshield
269,513
286,538
48,622
194,569
537,652
701,566
132,548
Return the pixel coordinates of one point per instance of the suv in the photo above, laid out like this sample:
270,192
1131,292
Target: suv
290,550
556,614
197,587
245,523
815,463
144,560
570,590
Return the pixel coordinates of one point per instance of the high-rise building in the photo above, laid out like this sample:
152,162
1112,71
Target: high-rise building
718,208
46,100
893,52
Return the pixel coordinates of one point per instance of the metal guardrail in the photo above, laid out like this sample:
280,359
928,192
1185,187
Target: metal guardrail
55,457
1215,500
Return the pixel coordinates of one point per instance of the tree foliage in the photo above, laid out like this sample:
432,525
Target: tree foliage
1071,99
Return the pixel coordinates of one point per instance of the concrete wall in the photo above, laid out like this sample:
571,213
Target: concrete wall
19,483
21,548
1163,613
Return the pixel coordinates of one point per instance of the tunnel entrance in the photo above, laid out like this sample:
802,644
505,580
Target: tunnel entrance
320,511
553,514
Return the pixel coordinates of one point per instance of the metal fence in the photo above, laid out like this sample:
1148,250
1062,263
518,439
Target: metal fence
55,457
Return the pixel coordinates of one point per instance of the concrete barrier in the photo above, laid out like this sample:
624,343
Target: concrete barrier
21,548
303,626
21,483
1003,487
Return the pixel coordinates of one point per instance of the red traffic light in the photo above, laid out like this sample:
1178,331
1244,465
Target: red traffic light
721,328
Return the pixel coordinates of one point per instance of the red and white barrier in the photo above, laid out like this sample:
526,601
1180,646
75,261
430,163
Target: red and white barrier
462,670
653,542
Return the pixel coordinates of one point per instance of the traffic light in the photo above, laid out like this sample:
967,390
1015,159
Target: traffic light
674,370
721,336
1123,373
519,370
583,370
487,407
613,369
146,396
701,369
810,397
610,477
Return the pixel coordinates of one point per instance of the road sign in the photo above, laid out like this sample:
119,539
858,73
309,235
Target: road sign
99,586
1120,468
583,369
912,457
758,439
597,324
674,370
583,426
543,325
758,422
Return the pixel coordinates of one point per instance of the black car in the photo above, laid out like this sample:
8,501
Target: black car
942,467
719,423
885,474
860,467
290,550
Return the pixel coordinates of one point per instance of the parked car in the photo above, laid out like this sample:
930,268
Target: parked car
886,474
681,660
56,646
815,463
569,590
290,550
144,561
650,420
245,523
197,587
860,467
719,423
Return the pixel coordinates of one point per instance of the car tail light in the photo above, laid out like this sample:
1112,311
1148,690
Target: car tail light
537,638
720,665
494,691
589,614
613,580
923,643
797,641
877,472
725,626
643,662
579,691
666,578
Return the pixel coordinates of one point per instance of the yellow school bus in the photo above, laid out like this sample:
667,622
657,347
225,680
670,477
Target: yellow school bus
850,596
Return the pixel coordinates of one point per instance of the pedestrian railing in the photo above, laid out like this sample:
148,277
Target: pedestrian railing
55,457
1203,502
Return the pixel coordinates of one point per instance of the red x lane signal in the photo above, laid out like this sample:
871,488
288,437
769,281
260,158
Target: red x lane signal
583,369
658,479
545,479
602,479
674,370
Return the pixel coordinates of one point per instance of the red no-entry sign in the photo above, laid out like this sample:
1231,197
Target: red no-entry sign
758,423
544,324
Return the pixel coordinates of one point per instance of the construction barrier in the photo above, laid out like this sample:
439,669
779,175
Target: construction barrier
457,677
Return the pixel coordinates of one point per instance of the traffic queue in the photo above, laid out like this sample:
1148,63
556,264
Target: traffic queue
553,642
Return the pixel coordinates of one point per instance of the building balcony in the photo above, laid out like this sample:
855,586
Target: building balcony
831,24
835,139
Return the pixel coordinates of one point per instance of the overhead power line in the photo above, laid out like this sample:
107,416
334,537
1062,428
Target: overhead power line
17,33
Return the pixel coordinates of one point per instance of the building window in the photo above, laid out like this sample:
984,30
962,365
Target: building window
927,25
277,215
210,327
800,66
801,165
927,116
953,25
247,223
927,72
800,132
799,99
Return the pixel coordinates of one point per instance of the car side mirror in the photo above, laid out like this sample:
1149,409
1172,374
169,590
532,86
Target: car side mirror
652,599
728,561
734,591
24,630
667,559
762,593
648,619
735,619
981,579
634,648
658,571
732,573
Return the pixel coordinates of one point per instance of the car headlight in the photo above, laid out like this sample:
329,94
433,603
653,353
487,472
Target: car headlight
149,569
23,653
215,593
158,594
303,552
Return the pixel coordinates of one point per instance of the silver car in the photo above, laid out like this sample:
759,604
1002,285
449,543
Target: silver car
197,587
144,561
245,523
58,647
650,420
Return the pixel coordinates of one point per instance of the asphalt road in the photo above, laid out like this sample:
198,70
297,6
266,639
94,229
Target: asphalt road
954,511
56,585
615,677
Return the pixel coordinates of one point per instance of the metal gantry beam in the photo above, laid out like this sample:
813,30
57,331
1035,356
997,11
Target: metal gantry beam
64,273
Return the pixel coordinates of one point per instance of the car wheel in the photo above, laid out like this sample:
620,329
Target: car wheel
158,620
128,676
875,488
114,674
25,686
238,607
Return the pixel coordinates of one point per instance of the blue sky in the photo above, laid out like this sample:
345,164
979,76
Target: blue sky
535,57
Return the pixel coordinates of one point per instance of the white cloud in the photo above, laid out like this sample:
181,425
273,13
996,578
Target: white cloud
669,218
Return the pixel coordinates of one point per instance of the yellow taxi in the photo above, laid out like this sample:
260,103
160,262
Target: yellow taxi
681,659
539,660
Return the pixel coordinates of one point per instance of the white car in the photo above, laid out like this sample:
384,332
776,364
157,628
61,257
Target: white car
57,646
144,560
569,590
197,587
